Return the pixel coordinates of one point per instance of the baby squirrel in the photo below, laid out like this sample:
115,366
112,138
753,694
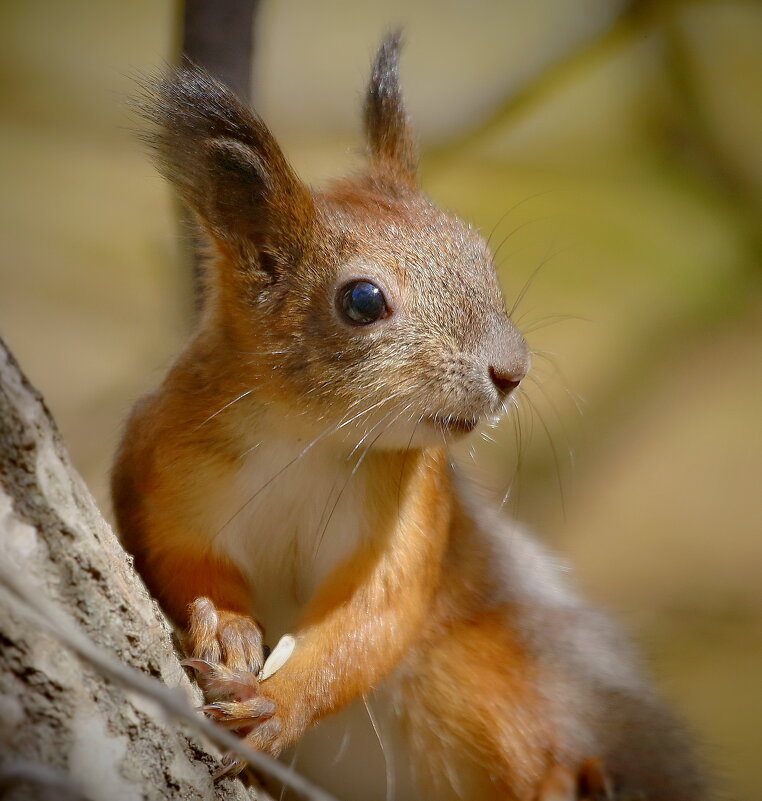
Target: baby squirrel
291,476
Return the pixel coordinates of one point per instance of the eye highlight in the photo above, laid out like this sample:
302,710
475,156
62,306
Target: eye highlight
362,303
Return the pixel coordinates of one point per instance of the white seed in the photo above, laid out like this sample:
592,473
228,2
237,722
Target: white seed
279,656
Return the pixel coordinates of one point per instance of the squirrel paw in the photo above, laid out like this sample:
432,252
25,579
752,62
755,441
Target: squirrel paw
221,682
242,694
227,638
241,716
237,705
265,737
591,783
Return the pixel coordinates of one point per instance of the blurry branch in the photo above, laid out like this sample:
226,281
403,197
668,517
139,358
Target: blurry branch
48,782
220,37
551,79
637,19
698,131
30,604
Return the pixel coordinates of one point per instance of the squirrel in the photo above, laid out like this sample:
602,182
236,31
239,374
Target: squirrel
290,479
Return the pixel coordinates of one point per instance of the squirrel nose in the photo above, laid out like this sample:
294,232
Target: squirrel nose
505,380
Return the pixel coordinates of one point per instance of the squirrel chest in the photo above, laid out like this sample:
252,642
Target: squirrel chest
287,517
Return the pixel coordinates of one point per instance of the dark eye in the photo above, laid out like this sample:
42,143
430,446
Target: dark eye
362,303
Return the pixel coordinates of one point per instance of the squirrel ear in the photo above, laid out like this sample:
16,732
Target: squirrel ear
390,139
225,163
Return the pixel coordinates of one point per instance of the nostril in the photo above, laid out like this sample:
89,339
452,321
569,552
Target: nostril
504,380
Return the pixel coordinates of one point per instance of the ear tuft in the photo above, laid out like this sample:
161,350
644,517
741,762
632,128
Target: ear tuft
223,160
387,128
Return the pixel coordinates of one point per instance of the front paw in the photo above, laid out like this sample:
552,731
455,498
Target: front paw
271,721
265,736
226,638
244,715
241,707
221,683
265,730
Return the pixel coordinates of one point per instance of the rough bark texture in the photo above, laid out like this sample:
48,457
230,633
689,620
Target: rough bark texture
60,720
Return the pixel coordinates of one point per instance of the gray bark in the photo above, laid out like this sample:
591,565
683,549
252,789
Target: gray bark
67,731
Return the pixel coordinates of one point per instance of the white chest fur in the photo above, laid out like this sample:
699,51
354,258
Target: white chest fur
287,517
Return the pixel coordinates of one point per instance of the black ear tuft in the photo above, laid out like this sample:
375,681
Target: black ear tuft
223,160
387,128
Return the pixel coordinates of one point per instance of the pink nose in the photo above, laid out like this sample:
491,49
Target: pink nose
505,381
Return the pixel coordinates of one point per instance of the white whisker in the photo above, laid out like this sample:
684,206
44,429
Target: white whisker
388,763
226,406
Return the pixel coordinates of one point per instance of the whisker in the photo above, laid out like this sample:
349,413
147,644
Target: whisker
530,280
222,409
388,762
404,462
343,745
323,528
551,359
370,409
548,320
329,430
519,436
554,451
292,766
511,233
559,417
370,431
513,208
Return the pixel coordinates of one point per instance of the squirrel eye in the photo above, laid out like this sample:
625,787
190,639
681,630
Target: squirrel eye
362,303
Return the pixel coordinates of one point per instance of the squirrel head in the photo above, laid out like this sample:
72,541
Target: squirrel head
363,306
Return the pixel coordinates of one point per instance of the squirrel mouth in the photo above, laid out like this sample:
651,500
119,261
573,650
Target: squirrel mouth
454,425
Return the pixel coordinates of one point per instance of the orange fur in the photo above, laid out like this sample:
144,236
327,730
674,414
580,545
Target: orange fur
478,683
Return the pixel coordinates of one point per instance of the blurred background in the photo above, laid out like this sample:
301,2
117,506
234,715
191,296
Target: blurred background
613,153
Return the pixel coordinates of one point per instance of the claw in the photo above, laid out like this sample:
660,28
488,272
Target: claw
240,713
219,681
243,687
230,767
201,666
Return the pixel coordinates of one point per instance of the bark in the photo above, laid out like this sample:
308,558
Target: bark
220,37
66,730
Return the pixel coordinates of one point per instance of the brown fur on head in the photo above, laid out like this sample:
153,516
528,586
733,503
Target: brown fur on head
442,353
